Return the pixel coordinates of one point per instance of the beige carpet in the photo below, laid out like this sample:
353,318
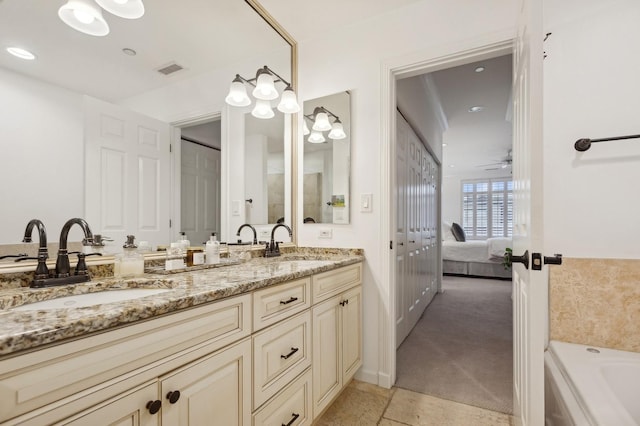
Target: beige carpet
461,348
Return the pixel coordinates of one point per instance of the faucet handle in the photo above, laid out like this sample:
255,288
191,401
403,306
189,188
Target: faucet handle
81,267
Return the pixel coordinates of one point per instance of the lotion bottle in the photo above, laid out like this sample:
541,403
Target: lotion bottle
212,250
129,263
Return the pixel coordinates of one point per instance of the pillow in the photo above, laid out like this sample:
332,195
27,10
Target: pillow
458,232
447,235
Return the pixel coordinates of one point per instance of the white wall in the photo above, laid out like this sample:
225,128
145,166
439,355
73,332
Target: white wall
351,59
42,128
591,90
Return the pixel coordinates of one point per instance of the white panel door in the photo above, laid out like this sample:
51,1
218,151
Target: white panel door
200,191
127,173
401,248
530,287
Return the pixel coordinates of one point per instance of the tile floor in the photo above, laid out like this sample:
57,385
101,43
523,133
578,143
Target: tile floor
364,404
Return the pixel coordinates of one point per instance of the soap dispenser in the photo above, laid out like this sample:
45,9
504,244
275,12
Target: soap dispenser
129,263
212,250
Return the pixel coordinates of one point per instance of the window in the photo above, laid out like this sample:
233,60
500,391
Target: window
487,208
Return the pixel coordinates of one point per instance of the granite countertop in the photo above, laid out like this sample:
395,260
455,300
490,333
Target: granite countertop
21,330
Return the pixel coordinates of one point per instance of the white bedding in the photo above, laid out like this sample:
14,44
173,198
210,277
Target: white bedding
490,250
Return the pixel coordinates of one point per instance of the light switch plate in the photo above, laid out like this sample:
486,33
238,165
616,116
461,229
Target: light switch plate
365,203
235,208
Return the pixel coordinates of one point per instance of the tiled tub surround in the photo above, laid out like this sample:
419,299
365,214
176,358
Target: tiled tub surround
596,302
31,329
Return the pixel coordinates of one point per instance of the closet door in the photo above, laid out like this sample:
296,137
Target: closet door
401,248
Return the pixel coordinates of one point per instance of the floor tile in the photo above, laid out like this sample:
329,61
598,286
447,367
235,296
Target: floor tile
359,404
416,409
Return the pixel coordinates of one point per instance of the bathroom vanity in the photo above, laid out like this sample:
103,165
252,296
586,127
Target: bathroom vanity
269,341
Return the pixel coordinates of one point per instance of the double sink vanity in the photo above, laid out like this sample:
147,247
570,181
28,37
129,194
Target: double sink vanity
269,341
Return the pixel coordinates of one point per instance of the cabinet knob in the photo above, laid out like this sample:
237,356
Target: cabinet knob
173,396
154,406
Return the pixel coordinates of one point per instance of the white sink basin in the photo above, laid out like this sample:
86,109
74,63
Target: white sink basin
91,299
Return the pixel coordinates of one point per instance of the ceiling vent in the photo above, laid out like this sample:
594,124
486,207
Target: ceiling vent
170,69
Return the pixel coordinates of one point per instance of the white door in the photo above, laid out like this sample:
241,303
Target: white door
127,173
530,287
401,249
200,191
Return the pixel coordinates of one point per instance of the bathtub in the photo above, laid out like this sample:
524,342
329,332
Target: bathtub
591,386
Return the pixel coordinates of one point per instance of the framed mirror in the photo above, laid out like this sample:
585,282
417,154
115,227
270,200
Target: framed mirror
173,65
327,159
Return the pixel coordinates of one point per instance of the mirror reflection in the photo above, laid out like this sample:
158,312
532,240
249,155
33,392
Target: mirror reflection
172,65
327,159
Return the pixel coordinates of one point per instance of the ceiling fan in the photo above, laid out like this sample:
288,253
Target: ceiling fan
502,164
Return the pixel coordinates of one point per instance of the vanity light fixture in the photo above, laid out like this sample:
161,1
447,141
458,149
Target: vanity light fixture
264,92
320,119
85,15
305,128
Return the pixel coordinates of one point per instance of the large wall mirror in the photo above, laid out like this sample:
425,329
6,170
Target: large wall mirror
168,70
327,159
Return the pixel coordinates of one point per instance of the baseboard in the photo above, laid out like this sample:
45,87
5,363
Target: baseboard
384,380
367,376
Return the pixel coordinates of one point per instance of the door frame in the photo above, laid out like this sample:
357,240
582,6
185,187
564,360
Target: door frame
438,58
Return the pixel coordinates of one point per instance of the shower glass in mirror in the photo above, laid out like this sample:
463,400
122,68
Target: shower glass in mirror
327,161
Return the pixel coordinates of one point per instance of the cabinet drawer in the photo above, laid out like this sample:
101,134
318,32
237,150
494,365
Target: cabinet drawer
273,304
330,283
280,353
292,405
41,377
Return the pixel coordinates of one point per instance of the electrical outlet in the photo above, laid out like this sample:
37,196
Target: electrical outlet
326,233
264,235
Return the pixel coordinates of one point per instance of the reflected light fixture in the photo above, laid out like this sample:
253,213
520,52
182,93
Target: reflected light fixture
305,128
264,91
21,53
320,120
85,15
127,9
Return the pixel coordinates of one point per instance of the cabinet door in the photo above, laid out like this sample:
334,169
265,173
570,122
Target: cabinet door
128,409
351,333
327,371
215,390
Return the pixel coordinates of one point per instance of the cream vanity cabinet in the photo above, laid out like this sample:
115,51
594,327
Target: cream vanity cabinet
337,332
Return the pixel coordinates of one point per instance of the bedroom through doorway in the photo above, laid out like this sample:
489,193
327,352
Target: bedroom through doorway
459,344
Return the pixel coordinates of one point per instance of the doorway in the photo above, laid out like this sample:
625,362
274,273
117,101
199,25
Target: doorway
496,158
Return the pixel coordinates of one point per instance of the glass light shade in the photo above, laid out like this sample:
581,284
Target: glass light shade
265,87
237,94
316,137
305,128
337,132
288,102
262,109
128,9
21,53
84,16
322,122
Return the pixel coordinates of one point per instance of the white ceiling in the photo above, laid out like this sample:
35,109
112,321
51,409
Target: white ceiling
200,35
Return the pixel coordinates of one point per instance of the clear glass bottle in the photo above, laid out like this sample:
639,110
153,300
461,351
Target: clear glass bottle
212,249
129,263
184,241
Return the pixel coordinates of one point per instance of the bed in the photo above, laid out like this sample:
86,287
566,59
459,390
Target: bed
479,258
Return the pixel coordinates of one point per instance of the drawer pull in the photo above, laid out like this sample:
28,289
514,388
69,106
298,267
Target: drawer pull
286,302
344,302
154,406
173,396
295,417
287,356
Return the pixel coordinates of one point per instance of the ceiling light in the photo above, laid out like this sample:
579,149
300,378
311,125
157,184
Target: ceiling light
264,91
476,108
130,52
21,53
337,131
316,137
128,9
479,69
262,109
444,144
84,16
452,165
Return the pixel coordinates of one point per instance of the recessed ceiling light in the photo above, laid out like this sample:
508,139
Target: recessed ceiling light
452,165
479,69
476,108
129,52
21,53
444,144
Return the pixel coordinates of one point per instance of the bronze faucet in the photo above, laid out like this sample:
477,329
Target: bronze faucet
255,234
42,271
62,263
273,249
